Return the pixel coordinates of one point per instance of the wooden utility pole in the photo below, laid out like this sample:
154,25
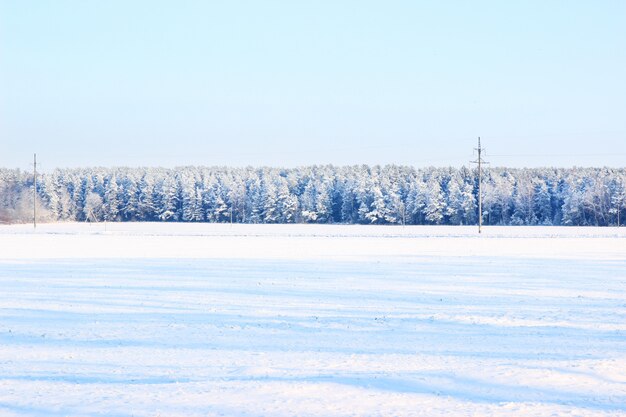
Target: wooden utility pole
35,191
480,163
620,202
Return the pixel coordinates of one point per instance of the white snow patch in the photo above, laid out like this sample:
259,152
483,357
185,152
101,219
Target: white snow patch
252,320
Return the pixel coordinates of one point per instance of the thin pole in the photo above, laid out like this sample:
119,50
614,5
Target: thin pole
35,191
619,208
480,189
619,200
480,163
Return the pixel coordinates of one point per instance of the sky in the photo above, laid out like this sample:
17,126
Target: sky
289,83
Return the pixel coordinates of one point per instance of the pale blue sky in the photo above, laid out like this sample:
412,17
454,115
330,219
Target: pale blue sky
287,83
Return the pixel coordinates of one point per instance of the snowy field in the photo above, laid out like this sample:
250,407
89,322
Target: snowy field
257,320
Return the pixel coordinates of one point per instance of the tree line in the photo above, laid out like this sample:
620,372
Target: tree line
318,194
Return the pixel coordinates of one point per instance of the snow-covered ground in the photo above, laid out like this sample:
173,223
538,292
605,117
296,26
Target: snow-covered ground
302,320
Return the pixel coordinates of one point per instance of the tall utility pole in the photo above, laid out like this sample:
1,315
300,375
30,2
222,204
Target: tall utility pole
620,203
35,191
480,163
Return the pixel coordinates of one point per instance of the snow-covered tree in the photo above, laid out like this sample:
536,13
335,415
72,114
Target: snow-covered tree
354,194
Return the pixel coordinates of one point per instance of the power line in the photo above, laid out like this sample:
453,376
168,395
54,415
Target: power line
556,155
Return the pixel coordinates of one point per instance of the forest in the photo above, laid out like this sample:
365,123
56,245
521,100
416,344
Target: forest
318,194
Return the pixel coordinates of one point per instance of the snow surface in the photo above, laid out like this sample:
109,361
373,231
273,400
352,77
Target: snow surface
302,320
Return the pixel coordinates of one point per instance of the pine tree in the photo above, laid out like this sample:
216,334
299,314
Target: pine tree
269,199
287,204
111,201
542,203
435,206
